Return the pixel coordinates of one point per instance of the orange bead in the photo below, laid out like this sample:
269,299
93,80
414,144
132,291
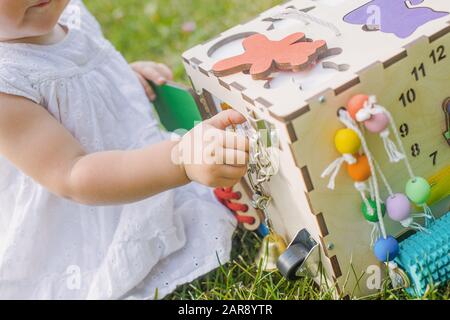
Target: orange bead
356,103
360,171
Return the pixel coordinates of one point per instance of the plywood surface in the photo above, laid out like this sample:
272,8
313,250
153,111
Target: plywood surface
359,49
410,75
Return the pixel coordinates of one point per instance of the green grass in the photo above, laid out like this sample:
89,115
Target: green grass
152,30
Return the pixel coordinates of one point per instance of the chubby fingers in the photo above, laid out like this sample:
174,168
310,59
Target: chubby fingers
233,140
227,147
231,157
153,75
229,176
158,73
227,139
164,71
225,119
147,87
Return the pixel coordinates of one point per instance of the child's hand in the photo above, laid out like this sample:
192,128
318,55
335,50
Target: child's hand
146,71
212,156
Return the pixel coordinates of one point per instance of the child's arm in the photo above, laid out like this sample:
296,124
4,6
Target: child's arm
43,149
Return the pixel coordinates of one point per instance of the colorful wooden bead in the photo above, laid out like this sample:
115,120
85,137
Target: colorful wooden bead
347,141
371,214
377,123
355,105
418,190
359,171
398,207
387,249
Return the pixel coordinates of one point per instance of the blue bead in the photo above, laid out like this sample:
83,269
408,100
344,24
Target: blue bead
386,249
263,230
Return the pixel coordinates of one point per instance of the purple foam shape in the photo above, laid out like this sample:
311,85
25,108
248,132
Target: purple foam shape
395,16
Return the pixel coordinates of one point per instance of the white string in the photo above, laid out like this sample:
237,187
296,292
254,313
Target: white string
409,223
371,189
399,141
421,215
375,234
428,214
425,207
391,149
383,178
362,188
348,122
370,109
418,227
334,168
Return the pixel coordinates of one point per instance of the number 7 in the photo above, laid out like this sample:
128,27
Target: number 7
433,156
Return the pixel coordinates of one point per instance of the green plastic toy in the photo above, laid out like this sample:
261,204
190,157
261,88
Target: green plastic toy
176,107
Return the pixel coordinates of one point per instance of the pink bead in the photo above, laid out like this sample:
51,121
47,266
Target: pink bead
398,207
377,123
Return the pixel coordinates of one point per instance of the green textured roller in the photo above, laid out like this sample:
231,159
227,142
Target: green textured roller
425,257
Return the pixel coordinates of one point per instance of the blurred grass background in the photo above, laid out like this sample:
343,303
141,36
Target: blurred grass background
161,30
156,29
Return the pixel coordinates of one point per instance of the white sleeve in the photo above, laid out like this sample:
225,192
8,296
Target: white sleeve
14,83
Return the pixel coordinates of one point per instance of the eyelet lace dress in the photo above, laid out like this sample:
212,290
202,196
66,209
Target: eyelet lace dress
52,248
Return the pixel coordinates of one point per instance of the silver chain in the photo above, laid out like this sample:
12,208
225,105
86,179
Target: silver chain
261,170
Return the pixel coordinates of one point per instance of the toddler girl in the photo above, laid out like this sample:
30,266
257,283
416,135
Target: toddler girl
94,202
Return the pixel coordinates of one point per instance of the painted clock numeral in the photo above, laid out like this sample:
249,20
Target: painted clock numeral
438,54
419,72
433,157
404,130
408,97
415,150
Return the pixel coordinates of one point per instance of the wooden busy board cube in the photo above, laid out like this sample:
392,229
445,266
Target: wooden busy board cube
398,51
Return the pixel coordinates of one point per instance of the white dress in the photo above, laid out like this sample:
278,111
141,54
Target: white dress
52,248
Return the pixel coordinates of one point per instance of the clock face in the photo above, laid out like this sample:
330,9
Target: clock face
415,88
420,103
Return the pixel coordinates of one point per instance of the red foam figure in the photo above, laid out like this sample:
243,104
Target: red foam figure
262,56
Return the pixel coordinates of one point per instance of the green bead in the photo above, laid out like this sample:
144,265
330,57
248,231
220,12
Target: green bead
418,190
374,216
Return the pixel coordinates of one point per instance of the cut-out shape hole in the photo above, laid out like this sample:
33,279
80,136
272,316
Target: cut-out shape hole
335,66
306,80
372,27
330,3
286,23
313,76
330,53
229,46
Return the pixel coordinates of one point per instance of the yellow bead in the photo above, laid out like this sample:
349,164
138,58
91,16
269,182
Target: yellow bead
347,141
